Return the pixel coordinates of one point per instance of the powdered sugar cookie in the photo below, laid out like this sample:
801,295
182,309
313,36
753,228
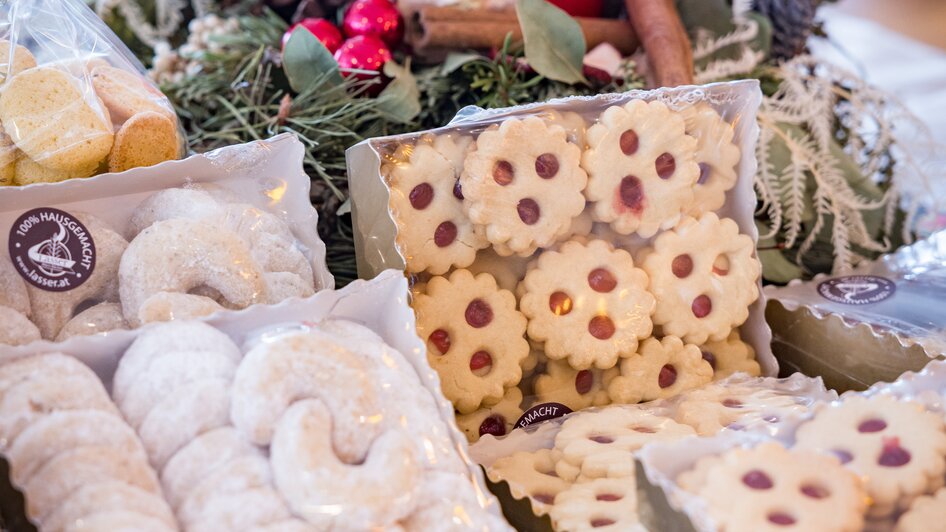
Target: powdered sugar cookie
242,510
576,389
522,183
661,368
497,419
641,167
588,303
771,488
925,514
433,232
895,445
531,475
13,292
96,319
730,355
169,306
600,504
108,496
704,274
120,521
16,328
474,337
441,501
714,408
716,155
240,474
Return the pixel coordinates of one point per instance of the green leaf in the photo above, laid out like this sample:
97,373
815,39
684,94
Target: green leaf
762,41
306,61
780,157
775,267
554,42
456,60
712,15
400,100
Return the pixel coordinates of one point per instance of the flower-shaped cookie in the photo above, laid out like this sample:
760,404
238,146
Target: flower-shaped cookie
475,337
925,514
662,368
730,355
704,274
716,155
522,183
771,488
433,233
716,407
576,389
897,446
641,167
574,125
588,303
530,475
497,419
604,504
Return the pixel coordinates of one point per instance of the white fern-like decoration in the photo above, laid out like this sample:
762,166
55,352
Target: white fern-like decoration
167,14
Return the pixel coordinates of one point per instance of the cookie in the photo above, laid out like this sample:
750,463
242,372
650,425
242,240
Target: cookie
730,355
896,446
925,514
26,171
127,94
576,389
574,125
145,139
588,303
8,156
771,488
704,274
498,419
530,475
16,328
22,59
522,183
508,271
662,368
433,233
600,504
641,167
53,121
714,408
716,156
475,337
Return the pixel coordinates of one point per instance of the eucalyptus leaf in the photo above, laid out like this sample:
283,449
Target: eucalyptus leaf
400,100
712,15
456,60
554,42
306,61
762,41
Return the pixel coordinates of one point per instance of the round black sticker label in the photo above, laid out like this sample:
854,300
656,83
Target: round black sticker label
857,289
52,249
542,412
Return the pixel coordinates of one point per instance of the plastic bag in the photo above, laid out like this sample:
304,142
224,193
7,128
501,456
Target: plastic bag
75,101
230,412
220,231
576,252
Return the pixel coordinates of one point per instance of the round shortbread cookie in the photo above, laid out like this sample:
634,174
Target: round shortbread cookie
22,59
730,355
531,475
16,328
97,319
925,514
522,184
713,408
641,167
107,496
662,368
475,337
704,274
497,419
54,120
146,139
716,155
604,504
576,389
26,171
127,94
588,304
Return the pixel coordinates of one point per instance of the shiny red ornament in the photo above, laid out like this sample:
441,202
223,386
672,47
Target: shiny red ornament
379,18
580,8
363,52
324,31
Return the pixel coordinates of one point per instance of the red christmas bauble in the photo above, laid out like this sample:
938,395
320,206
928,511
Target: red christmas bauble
379,18
363,52
324,31
580,8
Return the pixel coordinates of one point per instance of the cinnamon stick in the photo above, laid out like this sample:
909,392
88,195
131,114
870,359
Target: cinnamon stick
438,28
658,25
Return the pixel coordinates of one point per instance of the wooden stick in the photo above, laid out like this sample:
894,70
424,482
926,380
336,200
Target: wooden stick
658,25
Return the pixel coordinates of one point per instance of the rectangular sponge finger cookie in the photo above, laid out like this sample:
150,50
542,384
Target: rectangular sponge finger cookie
146,139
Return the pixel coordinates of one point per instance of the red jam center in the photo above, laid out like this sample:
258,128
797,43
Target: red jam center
629,142
441,340
598,523
421,196
682,266
583,381
665,165
601,439
478,313
781,519
609,497
843,456
893,455
601,327
546,165
601,280
757,480
667,376
814,491
643,430
544,498
732,403
702,306
704,173
502,173
632,193
528,211
872,425
494,424
709,357
445,234
560,304
481,363
457,190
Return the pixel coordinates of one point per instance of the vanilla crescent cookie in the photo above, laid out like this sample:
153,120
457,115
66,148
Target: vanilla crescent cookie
925,514
16,328
120,521
607,504
730,355
715,407
475,337
96,319
433,233
588,303
771,488
704,274
716,155
522,184
530,475
576,389
108,496
497,419
662,368
641,167
897,446
13,292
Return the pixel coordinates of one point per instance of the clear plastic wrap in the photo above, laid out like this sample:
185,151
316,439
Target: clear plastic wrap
318,413
220,231
576,252
75,102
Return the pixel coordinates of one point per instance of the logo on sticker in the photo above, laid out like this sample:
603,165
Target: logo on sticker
52,249
542,412
857,289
